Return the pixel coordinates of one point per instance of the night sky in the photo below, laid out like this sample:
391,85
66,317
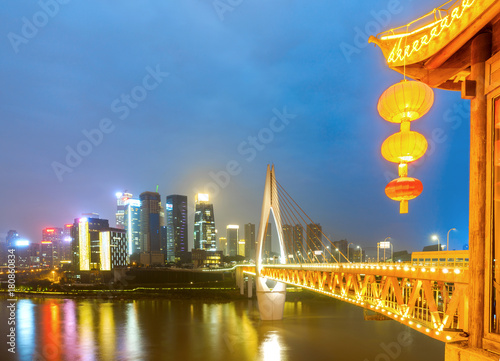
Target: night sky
216,75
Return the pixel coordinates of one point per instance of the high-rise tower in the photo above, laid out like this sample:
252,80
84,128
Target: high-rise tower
232,239
204,224
177,241
132,220
151,222
250,240
121,199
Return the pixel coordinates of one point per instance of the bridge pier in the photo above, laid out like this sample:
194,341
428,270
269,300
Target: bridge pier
271,301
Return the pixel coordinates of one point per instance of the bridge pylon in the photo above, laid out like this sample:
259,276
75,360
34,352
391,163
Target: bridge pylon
271,301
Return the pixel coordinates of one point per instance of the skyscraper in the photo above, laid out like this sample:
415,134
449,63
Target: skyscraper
51,246
204,224
151,221
12,237
66,244
232,239
132,218
177,241
121,199
250,241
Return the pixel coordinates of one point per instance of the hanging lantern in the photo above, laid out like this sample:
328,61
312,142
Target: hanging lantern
402,190
404,147
406,100
403,103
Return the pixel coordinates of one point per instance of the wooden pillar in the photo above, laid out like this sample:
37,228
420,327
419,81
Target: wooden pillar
480,52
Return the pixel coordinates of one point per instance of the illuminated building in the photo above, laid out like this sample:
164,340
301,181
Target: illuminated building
47,254
223,245
12,237
152,219
250,241
121,200
232,239
204,224
23,251
113,249
66,244
177,241
86,244
55,237
241,247
97,246
203,258
132,219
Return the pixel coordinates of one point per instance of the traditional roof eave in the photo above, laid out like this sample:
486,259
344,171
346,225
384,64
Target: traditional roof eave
440,51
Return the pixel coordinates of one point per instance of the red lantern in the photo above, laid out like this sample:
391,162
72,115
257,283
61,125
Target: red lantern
403,189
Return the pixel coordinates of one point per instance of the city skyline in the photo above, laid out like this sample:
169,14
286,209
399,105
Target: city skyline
327,156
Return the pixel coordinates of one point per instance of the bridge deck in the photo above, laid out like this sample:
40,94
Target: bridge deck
432,300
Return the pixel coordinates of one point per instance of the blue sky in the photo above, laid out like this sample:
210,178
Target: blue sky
230,68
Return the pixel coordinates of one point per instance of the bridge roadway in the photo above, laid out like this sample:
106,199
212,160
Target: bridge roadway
430,299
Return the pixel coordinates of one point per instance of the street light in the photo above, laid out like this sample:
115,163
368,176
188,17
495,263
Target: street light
348,250
435,238
360,254
448,238
383,245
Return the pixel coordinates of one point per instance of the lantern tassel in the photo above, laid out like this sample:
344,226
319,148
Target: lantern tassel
403,207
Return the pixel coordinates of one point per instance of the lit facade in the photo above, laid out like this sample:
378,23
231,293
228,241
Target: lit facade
177,228
113,249
121,205
204,224
65,248
12,237
203,258
87,243
54,238
132,219
241,247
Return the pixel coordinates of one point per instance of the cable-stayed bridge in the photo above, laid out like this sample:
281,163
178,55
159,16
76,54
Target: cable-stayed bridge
428,294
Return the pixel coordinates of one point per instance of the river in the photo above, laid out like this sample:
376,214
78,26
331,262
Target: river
313,329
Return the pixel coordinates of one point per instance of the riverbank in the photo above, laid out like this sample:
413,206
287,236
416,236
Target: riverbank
220,294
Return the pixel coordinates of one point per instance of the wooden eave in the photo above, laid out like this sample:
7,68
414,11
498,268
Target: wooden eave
449,64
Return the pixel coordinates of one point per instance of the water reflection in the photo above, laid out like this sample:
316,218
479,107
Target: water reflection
271,347
190,330
25,328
